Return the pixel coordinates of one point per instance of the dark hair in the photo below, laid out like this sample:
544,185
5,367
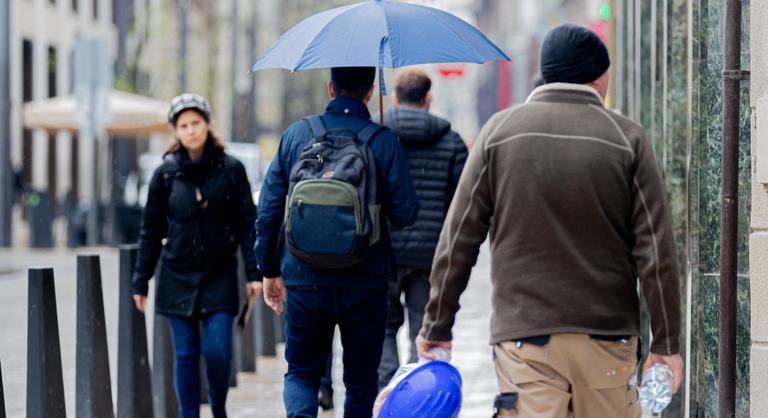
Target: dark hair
412,86
354,82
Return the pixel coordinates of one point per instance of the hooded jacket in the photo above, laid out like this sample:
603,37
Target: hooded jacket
436,156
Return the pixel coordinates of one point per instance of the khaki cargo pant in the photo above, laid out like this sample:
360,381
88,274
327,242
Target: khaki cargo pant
572,376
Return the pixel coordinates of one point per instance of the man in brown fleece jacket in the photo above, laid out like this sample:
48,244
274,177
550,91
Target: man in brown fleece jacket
572,197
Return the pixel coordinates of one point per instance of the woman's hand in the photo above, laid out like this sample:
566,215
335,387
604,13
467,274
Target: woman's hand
253,289
140,301
274,294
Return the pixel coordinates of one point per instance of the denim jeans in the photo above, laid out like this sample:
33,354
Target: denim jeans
311,314
415,285
216,347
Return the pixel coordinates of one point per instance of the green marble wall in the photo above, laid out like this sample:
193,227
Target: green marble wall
675,90
706,168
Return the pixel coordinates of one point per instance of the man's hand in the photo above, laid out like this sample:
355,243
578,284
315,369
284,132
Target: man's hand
423,346
140,301
274,294
675,363
252,289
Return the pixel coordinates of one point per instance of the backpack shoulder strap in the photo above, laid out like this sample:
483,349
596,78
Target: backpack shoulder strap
316,125
172,166
369,132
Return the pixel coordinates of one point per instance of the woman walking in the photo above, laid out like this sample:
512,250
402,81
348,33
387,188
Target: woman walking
199,210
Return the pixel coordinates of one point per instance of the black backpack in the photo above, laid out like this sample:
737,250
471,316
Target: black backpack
332,213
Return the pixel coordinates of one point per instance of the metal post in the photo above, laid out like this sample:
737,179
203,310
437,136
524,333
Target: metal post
253,108
2,396
730,208
93,387
236,114
6,170
134,387
163,393
45,384
183,34
123,14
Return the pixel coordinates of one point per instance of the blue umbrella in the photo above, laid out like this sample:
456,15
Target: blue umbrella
379,33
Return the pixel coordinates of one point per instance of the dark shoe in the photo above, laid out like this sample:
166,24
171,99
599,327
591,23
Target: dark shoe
325,399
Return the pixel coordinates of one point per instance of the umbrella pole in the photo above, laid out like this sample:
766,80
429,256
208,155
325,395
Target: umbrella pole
381,104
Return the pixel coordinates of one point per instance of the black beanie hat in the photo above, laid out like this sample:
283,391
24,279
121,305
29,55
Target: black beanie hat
573,54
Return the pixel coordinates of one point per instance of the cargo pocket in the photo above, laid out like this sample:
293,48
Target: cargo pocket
518,365
614,363
614,371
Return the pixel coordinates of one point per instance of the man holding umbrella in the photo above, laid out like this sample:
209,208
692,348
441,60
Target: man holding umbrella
315,278
336,261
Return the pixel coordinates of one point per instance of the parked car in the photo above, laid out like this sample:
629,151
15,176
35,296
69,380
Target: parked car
248,154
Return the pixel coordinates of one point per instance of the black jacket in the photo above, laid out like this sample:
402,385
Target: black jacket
436,155
197,214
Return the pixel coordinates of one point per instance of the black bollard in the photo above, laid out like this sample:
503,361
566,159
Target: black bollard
45,385
280,324
266,329
247,343
134,390
93,387
164,396
248,346
2,396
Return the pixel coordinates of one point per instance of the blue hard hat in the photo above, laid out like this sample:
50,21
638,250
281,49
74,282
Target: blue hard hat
432,390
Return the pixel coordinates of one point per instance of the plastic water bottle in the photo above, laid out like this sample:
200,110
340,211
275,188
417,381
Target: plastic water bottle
440,353
656,389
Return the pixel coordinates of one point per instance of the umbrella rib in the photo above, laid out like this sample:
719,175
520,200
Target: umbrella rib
300,61
458,35
389,36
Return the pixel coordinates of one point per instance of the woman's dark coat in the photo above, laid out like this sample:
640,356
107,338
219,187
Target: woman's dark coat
197,214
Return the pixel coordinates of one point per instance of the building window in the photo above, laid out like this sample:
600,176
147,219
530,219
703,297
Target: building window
26,95
75,4
95,9
52,67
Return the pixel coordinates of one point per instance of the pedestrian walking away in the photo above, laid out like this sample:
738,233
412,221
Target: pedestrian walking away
572,200
323,241
436,156
199,211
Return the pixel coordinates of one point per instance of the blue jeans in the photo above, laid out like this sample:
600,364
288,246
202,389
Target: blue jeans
415,285
216,347
311,314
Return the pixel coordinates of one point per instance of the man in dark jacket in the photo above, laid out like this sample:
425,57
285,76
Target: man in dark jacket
436,155
316,300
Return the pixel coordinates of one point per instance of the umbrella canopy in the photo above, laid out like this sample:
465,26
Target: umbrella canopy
131,114
379,33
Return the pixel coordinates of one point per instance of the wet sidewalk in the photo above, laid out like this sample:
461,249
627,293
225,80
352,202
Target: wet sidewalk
260,395
257,394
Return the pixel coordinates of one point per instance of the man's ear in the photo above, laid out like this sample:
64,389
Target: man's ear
331,92
427,101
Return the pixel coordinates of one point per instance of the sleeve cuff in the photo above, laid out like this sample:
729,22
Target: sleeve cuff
271,272
665,346
140,289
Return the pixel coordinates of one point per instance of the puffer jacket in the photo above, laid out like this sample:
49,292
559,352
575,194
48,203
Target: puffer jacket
436,155
197,215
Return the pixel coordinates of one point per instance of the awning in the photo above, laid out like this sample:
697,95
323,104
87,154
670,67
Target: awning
131,114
